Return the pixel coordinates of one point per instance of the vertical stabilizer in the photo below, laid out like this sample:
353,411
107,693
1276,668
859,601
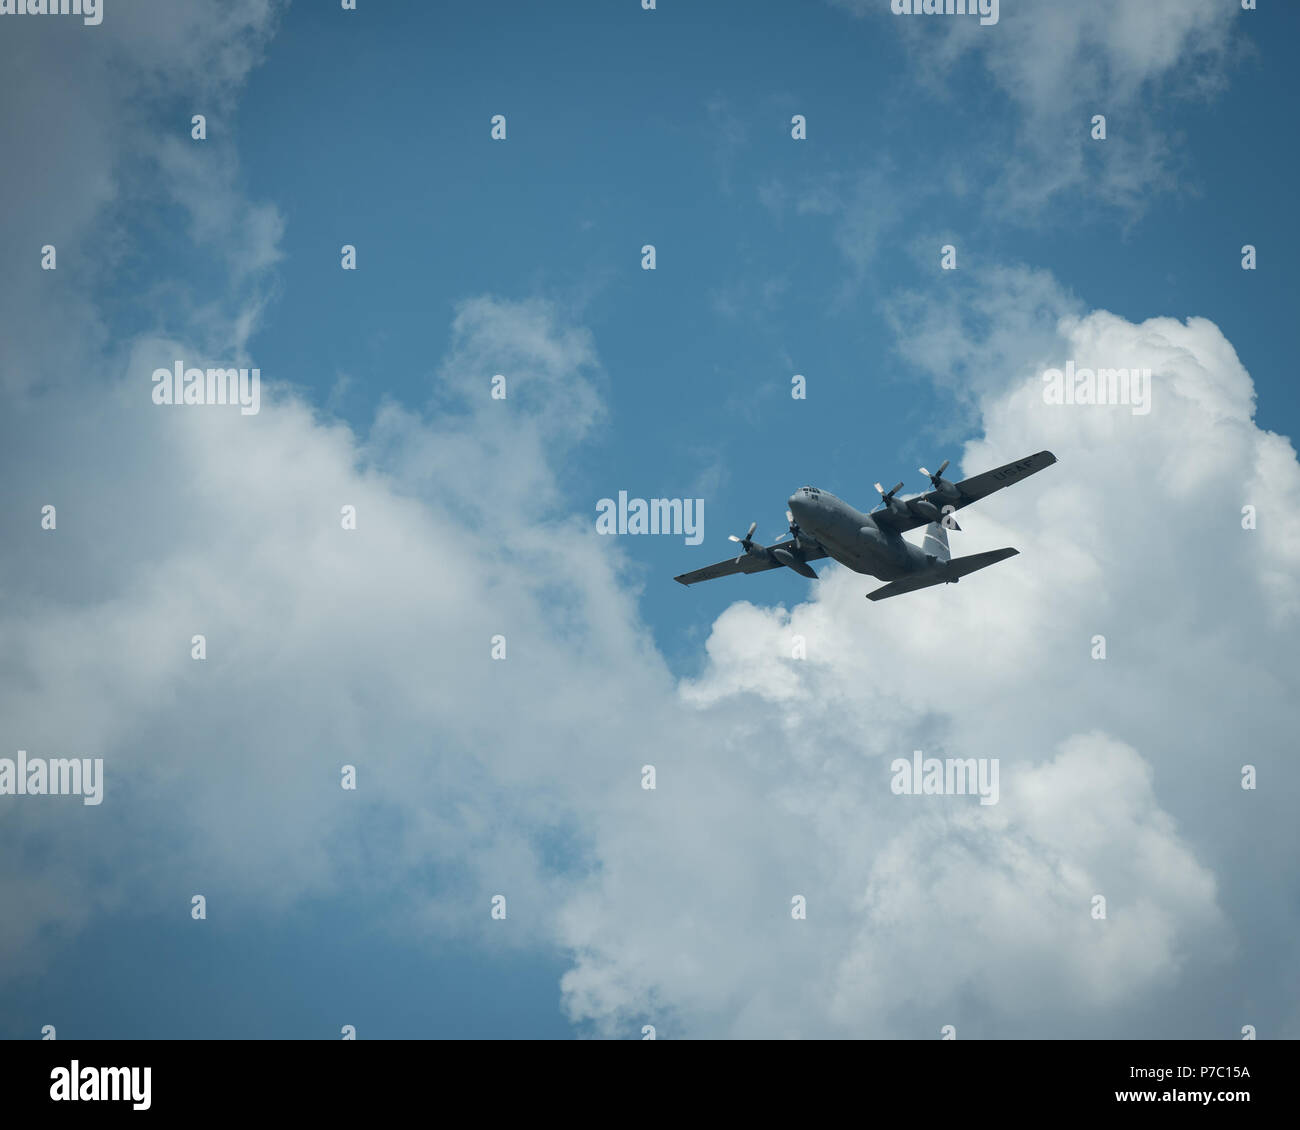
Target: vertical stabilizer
936,542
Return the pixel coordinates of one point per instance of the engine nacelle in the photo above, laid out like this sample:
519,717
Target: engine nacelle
923,508
789,559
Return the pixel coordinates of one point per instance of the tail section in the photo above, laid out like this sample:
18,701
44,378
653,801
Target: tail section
963,565
935,543
942,574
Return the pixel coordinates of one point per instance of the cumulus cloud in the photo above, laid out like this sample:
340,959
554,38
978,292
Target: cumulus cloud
370,647
988,906
1119,774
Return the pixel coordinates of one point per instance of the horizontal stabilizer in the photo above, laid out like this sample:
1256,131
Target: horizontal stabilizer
942,574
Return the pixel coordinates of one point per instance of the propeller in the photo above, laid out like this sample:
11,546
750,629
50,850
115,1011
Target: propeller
747,542
942,485
894,505
945,490
784,554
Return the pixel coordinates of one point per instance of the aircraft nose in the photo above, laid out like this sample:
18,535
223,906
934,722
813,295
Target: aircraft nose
796,502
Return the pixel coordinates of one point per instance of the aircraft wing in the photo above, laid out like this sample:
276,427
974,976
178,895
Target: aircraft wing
752,563
968,490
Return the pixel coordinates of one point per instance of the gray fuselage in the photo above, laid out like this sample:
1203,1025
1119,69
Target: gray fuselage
853,538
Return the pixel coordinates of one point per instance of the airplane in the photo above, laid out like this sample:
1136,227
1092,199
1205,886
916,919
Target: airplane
822,525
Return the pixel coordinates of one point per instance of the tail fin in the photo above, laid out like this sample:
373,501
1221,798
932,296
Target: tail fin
935,543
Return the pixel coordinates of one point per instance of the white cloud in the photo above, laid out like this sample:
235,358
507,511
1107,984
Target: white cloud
1059,62
87,138
329,647
1120,776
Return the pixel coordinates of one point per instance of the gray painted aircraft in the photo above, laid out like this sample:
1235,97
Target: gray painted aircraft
822,525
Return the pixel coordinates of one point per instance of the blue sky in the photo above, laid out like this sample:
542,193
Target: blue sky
627,127
774,257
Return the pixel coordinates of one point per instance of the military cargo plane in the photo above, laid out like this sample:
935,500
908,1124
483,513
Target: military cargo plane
822,525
